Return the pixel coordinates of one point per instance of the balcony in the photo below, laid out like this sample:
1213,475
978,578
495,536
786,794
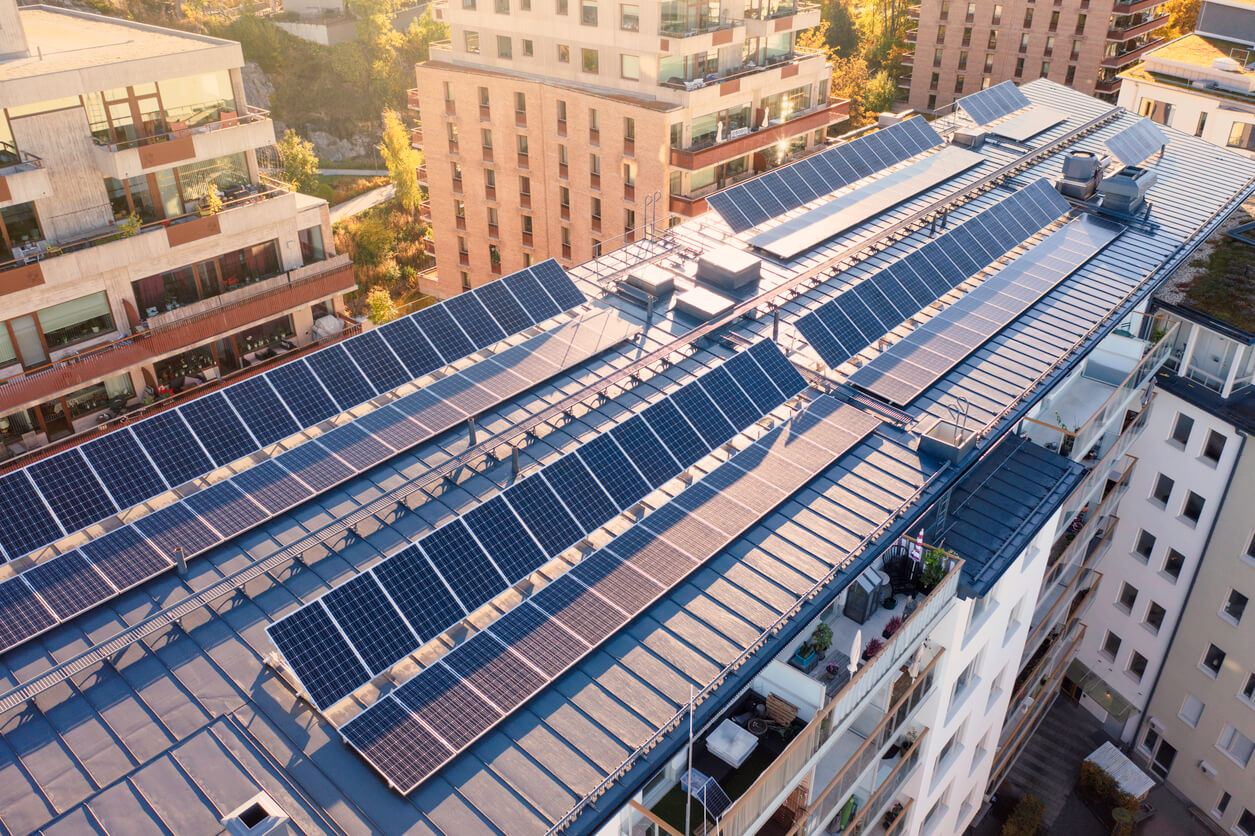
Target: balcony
688,207
23,177
683,39
411,99
421,173
710,153
728,80
1127,33
416,139
1110,86
1132,56
193,324
1135,6
787,18
231,134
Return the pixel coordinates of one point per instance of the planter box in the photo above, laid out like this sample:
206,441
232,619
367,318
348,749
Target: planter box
193,230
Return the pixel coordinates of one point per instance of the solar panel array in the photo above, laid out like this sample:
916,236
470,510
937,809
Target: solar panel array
843,327
993,103
1029,124
49,499
60,588
467,562
910,366
1137,143
776,192
411,733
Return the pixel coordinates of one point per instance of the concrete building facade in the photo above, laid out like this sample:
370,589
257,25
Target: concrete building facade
561,129
142,250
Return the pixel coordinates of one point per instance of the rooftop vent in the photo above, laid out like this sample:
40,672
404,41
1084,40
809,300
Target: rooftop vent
1082,172
972,138
258,816
728,268
1124,192
1226,64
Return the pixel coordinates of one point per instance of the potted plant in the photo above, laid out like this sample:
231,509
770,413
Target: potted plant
891,626
130,226
804,658
873,647
821,639
934,570
889,603
891,815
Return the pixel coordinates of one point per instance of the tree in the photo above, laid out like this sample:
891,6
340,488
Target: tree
417,41
402,160
372,242
850,81
299,162
879,93
1182,17
842,32
379,306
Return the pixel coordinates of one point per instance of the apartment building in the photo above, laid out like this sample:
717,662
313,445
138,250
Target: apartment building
559,129
141,247
961,47
1201,83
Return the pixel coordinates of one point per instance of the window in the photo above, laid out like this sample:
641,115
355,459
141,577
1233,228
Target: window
1236,745
1181,429
1054,21
462,250
960,685
1075,55
1080,23
564,197
963,60
629,220
594,165
472,42
1019,67
630,17
989,64
1163,489
996,19
1242,136
1191,710
937,55
459,209
595,208
1070,75
1235,605
505,47
492,219
1193,508
1214,447
502,7
588,12
1154,617
958,84
561,7
1222,804
630,67
525,186
448,92
561,114
1202,123
1028,18
1128,597
490,181
589,60
529,49
992,43
1050,46
967,36
629,174
934,81
563,159
1024,41
525,5
75,321
1246,823
527,224
1172,566
1111,645
466,280
1137,666
629,129
520,103
1045,68
485,137
483,97
1145,544
1213,660
564,54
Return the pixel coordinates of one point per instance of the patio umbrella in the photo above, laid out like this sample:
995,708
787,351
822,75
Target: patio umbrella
913,669
856,650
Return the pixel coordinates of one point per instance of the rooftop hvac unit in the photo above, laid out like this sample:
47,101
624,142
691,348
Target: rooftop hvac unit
1082,172
1124,193
972,138
1208,769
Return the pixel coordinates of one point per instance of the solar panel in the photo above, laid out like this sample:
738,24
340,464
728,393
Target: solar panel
993,103
491,667
340,376
121,465
705,417
606,575
176,452
646,451
754,383
270,486
25,522
393,741
314,466
224,507
409,344
475,320
538,304
22,614
370,622
443,333
214,422
463,564
558,284
392,427
318,654
72,490
584,613
580,491
1137,143
914,363
731,400
419,593
750,203
1028,125
261,409
781,372
377,362
844,326
499,532
675,432
443,701
796,235
68,584
620,478
175,527
360,450
505,309
125,557
544,514
538,639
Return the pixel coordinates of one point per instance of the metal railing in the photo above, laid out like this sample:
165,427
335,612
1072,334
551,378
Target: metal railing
251,114
890,786
796,56
22,160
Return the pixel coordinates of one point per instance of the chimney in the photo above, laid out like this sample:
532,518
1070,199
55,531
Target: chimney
12,35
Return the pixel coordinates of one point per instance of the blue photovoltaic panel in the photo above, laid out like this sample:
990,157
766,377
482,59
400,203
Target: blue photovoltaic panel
539,509
419,593
674,430
645,451
341,377
462,564
370,622
505,309
225,508
782,373
724,392
438,327
392,740
581,611
433,413
702,413
271,486
538,304
993,103
575,485
311,644
22,615
411,346
470,313
73,491
532,634
124,557
613,470
261,410
68,583
392,427
558,284
351,443
176,527
443,701
1137,143
504,538
488,665
120,463
377,361
25,523
302,393
314,466
172,447
754,382
216,425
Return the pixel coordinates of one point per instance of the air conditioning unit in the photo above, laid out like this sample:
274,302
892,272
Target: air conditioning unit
1208,769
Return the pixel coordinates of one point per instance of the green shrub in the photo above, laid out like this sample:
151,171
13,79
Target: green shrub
1025,818
1101,790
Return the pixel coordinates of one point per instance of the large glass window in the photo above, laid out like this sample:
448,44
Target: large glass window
197,99
97,396
311,245
681,17
192,283
783,106
222,173
75,321
717,126
1242,135
21,229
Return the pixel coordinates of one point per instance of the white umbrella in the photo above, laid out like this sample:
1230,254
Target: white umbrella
856,650
913,669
